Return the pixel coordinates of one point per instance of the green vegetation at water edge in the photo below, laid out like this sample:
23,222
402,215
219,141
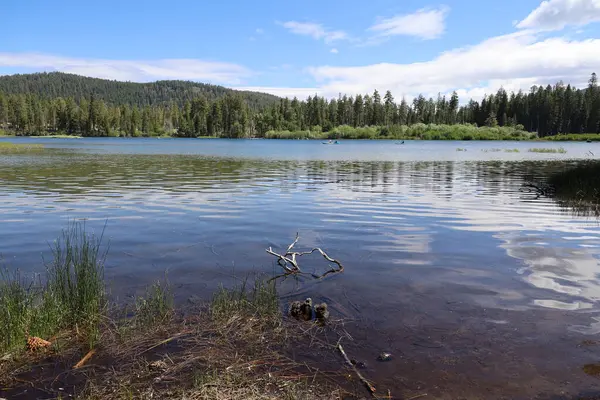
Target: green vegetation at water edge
578,188
511,150
59,136
560,150
94,107
404,132
17,148
590,137
207,352
71,295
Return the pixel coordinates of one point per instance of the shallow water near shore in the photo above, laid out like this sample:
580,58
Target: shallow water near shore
478,288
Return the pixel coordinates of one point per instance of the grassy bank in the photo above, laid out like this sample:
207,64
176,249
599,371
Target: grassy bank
58,136
231,347
592,137
16,148
417,131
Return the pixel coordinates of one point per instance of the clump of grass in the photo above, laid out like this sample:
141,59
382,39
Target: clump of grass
511,150
547,150
76,278
259,301
15,310
491,150
72,295
460,149
156,306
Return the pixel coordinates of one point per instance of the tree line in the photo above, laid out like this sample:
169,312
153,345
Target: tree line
548,110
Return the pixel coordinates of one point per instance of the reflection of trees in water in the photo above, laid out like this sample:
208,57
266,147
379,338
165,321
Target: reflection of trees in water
577,187
576,183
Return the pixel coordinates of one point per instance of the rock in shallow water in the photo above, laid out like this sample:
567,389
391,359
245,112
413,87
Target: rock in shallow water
322,313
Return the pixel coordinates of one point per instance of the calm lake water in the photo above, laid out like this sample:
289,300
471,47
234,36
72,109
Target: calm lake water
478,288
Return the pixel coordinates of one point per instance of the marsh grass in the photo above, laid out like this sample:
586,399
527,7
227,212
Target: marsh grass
593,137
229,348
560,150
59,136
460,149
511,151
578,188
72,295
156,306
75,277
16,148
15,309
258,300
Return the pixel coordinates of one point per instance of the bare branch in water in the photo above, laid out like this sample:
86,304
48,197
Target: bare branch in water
289,262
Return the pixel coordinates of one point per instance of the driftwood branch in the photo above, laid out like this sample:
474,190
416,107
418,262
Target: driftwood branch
289,261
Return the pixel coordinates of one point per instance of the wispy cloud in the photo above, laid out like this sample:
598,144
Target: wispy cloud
314,30
426,23
131,70
557,14
334,51
259,31
528,59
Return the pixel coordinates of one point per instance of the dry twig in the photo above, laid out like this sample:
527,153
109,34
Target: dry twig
289,262
84,359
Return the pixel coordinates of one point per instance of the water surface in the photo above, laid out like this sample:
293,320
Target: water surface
478,288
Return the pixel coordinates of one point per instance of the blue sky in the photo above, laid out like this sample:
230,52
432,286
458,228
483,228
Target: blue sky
324,47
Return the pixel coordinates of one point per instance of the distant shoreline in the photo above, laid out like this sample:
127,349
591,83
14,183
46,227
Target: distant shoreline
557,138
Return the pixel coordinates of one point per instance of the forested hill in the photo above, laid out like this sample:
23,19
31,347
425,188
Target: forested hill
57,84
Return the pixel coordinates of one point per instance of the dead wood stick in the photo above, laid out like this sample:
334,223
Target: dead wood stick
290,258
84,359
293,243
285,260
370,387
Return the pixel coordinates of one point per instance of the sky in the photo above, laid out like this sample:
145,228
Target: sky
311,47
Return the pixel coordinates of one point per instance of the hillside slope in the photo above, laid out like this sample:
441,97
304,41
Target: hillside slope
58,84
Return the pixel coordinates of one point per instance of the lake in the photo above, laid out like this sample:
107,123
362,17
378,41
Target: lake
479,287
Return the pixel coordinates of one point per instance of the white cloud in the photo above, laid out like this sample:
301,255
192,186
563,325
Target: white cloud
426,23
515,61
556,14
131,70
314,30
334,51
259,31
